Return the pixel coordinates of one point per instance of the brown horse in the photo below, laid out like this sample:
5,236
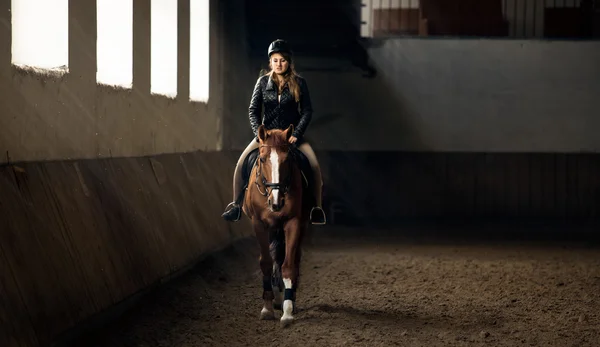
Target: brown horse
277,203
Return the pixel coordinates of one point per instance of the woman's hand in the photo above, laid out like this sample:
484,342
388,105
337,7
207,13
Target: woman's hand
293,139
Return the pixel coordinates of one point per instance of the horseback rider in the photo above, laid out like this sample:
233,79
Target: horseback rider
284,97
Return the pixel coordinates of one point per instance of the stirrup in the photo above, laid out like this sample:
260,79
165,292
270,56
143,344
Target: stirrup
226,214
322,212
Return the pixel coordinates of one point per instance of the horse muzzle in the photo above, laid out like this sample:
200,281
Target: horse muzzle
276,204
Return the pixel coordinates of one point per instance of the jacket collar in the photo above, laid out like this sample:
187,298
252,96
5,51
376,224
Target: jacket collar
271,85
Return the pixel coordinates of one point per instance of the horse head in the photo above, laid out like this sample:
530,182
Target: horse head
275,165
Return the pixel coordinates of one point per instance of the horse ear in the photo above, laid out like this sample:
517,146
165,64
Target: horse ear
289,131
262,133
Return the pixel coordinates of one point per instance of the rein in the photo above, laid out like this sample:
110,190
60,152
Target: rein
269,186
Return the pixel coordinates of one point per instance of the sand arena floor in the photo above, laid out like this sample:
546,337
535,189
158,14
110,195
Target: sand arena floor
363,288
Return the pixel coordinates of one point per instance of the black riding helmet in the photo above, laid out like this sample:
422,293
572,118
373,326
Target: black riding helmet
279,46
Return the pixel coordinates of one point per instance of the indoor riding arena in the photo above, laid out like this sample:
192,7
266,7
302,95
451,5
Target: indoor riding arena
458,142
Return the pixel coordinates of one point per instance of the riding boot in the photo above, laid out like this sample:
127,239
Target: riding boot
234,213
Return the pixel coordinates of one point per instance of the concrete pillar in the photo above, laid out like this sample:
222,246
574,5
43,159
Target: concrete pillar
183,50
82,41
5,37
217,56
141,46
78,122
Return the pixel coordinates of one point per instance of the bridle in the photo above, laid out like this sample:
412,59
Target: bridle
269,186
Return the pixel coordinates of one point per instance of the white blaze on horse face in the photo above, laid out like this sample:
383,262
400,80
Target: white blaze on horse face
275,174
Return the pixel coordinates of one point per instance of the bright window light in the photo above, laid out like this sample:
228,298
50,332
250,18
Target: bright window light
163,52
199,50
114,43
40,33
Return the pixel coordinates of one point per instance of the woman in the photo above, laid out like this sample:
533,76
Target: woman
280,91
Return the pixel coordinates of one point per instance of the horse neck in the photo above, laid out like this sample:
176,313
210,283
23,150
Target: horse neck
296,179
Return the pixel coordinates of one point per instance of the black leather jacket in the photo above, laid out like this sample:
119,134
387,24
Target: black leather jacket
278,114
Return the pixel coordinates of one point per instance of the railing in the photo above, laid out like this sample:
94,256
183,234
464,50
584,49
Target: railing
573,19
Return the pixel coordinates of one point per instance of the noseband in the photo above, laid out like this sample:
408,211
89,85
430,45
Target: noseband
269,186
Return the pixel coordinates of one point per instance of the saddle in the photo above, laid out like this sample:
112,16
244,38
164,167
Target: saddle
296,155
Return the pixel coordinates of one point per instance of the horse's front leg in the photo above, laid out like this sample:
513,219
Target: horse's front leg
290,269
266,266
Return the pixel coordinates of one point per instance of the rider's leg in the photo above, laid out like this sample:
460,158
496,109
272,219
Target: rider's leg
233,211
238,180
317,215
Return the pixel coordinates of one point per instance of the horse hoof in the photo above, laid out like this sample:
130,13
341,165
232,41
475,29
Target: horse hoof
266,314
286,321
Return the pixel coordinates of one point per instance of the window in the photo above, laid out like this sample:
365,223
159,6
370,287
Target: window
114,43
199,50
163,51
523,19
40,34
387,15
